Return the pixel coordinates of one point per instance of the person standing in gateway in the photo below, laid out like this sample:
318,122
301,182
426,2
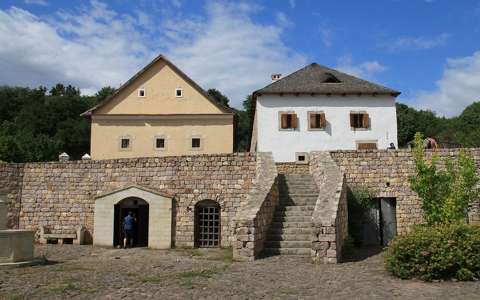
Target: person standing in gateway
128,231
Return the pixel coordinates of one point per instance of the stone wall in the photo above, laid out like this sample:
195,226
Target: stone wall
11,177
292,168
330,217
253,223
386,173
60,195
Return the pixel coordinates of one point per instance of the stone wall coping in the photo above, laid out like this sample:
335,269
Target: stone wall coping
150,190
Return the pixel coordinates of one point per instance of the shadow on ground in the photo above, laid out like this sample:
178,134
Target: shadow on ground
362,253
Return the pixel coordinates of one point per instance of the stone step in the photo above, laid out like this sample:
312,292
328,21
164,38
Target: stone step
286,203
291,224
292,213
288,244
290,231
287,251
288,237
306,218
309,208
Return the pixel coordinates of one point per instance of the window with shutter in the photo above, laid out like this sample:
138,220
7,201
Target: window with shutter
317,121
288,121
359,120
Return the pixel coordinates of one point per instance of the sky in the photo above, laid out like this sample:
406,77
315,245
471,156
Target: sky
427,49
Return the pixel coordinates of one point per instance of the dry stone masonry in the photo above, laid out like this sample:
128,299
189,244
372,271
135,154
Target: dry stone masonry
386,173
61,195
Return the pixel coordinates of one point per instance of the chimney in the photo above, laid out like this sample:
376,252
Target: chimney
276,77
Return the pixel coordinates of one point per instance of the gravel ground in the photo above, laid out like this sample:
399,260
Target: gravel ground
84,272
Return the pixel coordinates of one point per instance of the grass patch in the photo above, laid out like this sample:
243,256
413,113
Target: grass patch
186,277
190,252
153,279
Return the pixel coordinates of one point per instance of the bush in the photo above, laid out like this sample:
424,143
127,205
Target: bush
359,200
436,252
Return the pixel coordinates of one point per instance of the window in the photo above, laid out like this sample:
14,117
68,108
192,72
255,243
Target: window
125,143
196,143
141,92
359,120
288,121
317,121
178,92
301,157
366,145
160,143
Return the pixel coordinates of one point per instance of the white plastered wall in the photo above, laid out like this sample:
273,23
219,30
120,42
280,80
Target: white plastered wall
337,136
160,217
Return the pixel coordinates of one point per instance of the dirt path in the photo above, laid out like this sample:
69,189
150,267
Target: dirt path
84,272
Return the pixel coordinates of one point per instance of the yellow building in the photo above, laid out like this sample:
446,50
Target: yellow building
160,111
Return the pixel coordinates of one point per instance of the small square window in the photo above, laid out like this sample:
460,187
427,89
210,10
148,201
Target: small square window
141,92
125,143
178,92
160,143
196,143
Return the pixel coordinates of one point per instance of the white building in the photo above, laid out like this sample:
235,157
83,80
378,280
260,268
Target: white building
317,108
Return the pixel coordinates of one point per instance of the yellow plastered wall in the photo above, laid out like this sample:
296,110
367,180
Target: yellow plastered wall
160,82
216,137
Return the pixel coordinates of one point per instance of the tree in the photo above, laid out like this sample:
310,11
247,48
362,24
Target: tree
446,193
219,97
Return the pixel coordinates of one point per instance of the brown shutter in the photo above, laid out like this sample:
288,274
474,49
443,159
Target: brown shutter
323,121
312,120
366,121
294,121
283,121
352,120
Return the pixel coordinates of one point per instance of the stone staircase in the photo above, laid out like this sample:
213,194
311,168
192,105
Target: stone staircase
290,231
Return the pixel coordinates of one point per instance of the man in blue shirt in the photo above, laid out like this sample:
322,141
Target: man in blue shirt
128,230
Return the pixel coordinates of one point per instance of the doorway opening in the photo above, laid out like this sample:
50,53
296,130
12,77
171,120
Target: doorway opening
139,209
207,224
381,227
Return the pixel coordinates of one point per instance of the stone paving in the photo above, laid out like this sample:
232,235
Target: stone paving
84,272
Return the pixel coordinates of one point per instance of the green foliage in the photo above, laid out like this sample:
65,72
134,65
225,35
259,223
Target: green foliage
461,130
445,194
359,202
437,252
219,97
37,126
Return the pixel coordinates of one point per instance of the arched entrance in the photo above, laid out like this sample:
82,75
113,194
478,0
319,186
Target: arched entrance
153,210
207,224
139,209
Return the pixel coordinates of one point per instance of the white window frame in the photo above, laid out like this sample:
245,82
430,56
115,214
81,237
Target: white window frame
181,92
165,143
123,137
201,142
144,92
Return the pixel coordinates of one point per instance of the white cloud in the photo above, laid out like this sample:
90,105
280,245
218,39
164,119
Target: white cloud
94,46
365,70
230,52
458,87
326,35
292,3
36,2
89,48
416,43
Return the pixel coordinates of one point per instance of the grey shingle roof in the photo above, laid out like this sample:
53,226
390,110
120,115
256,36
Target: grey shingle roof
318,79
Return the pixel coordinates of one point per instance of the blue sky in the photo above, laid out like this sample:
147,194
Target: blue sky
427,49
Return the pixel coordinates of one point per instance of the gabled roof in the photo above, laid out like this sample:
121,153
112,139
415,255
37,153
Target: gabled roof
184,76
318,79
